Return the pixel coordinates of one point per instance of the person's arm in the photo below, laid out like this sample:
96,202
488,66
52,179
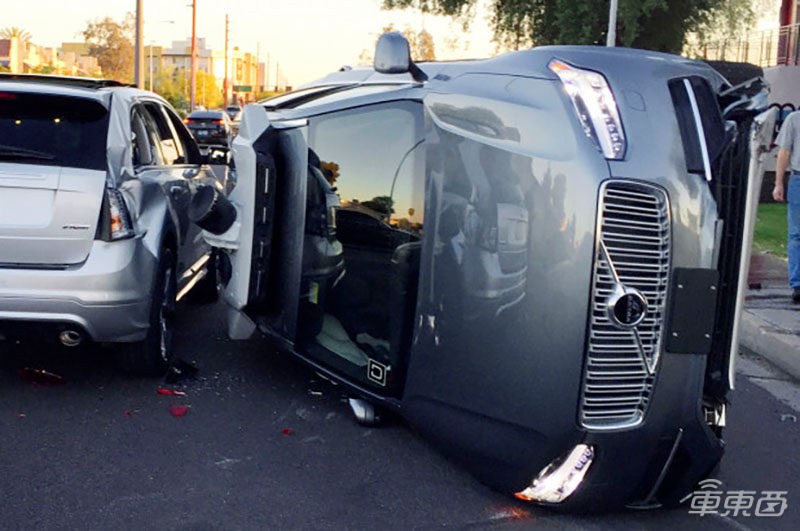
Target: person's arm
779,192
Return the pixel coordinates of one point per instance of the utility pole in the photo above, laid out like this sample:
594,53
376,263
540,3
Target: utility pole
194,56
611,39
225,80
266,73
138,68
277,74
151,66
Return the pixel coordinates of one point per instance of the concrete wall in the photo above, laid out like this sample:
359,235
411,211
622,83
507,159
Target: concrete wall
784,84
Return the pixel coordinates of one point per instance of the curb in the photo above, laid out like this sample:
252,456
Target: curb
779,347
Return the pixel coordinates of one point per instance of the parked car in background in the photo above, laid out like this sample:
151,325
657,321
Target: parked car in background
95,242
543,256
211,129
234,112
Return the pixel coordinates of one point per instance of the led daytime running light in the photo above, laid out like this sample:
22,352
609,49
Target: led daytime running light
595,106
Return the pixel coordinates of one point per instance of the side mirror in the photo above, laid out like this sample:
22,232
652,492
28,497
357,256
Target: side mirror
393,56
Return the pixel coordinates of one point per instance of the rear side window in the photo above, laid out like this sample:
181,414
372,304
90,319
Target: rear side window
53,130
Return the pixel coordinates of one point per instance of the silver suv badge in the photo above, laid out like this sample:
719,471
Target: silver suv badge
626,307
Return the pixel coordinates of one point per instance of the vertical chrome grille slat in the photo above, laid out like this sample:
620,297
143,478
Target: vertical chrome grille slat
634,227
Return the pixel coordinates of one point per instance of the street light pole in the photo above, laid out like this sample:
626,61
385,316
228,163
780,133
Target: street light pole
611,39
194,56
138,67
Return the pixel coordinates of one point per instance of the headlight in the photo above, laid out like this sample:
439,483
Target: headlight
596,107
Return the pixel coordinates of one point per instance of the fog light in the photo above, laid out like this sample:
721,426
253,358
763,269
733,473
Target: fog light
558,480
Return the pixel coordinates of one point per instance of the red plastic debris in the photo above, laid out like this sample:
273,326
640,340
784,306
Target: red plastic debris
178,411
21,416
131,412
170,392
286,431
40,377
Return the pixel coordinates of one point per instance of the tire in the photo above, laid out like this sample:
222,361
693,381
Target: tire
152,356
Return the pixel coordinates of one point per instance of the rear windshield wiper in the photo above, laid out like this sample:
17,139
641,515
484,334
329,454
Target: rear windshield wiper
18,152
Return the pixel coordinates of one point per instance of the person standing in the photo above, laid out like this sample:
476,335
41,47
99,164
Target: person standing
789,158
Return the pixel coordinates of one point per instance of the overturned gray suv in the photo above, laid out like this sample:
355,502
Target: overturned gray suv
96,179
536,259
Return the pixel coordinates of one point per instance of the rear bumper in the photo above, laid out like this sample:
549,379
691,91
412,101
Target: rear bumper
108,296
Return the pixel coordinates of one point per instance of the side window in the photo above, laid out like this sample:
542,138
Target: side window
151,130
187,145
372,156
142,155
171,150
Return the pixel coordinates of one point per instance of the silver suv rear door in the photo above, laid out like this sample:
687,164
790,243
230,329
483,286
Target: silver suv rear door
52,177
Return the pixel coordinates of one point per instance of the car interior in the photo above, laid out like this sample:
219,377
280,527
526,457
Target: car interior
357,319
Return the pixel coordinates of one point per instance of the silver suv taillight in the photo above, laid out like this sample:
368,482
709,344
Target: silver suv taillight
115,220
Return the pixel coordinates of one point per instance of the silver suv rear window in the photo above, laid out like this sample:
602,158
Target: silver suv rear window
52,130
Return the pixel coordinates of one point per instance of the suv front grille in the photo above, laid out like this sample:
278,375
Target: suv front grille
633,253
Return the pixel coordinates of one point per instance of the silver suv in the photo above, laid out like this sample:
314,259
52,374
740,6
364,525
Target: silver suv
95,243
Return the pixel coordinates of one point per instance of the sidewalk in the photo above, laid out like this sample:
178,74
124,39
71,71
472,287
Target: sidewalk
770,324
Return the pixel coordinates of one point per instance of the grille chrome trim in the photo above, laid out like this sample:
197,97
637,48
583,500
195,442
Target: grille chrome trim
633,251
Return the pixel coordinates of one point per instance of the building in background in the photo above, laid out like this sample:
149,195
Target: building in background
11,54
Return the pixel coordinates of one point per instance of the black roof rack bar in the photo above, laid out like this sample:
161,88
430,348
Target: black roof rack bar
85,82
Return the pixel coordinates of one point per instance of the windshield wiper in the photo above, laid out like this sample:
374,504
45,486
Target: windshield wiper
18,152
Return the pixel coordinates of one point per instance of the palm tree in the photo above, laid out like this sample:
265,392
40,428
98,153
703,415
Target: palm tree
13,31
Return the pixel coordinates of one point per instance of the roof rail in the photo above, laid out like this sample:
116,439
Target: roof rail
85,82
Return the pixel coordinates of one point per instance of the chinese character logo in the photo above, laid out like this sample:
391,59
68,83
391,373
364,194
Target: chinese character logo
709,498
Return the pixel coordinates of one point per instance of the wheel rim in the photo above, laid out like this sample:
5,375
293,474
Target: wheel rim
165,316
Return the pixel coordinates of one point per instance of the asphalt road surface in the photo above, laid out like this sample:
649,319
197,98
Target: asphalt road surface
267,444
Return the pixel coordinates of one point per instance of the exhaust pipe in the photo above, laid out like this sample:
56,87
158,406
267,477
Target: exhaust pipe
70,338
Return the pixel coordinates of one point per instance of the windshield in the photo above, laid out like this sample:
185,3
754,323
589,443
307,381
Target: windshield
53,130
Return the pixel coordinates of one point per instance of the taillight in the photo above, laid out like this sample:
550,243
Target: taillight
115,220
221,122
186,120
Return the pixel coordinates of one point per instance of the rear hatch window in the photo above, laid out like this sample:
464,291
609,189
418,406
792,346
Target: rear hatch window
53,130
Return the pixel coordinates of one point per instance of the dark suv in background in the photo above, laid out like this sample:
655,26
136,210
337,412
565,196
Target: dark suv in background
211,129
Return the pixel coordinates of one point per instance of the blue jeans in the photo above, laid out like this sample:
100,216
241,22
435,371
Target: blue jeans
793,218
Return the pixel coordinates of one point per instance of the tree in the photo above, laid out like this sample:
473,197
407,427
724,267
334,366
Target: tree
112,43
652,24
173,86
420,44
13,31
730,21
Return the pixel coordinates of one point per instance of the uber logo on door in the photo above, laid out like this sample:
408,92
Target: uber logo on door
377,372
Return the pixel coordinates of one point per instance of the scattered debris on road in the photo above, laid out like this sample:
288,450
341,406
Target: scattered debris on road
178,411
40,377
286,431
170,392
179,371
786,417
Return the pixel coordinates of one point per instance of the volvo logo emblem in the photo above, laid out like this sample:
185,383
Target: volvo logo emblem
626,307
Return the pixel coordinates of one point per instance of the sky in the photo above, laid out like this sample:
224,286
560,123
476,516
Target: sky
307,38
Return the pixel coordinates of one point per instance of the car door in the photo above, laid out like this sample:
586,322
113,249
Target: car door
178,172
260,260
